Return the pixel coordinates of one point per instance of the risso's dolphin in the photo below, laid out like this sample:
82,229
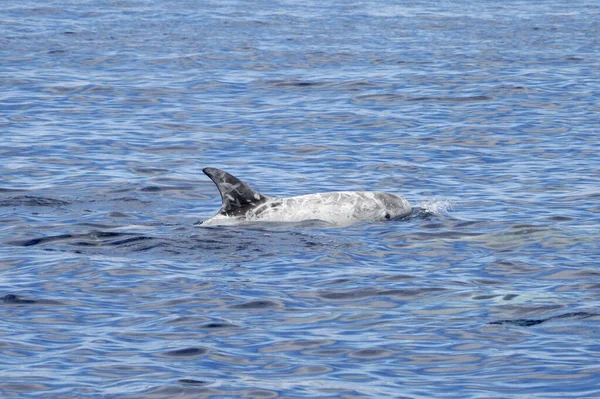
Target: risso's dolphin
242,204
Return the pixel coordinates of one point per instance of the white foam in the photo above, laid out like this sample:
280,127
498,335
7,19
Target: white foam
437,206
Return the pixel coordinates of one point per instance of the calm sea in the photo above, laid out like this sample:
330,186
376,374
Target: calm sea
485,114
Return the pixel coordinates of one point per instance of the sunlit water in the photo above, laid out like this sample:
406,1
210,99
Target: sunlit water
484,114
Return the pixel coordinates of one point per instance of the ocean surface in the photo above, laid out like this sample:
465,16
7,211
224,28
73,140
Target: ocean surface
484,114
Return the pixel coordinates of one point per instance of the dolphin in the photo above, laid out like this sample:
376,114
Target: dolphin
242,204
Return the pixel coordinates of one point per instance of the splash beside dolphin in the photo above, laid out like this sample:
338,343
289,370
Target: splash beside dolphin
242,204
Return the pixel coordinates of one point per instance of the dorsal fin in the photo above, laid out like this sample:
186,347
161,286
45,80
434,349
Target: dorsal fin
236,195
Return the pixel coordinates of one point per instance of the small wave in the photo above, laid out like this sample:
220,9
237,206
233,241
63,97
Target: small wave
436,207
533,322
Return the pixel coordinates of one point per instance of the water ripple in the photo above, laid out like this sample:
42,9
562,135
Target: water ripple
485,118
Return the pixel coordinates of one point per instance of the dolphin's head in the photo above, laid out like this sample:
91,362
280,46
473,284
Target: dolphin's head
393,206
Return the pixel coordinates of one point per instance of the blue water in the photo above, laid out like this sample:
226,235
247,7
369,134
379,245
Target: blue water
483,113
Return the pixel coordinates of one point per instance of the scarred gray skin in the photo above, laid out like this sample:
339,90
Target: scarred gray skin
242,204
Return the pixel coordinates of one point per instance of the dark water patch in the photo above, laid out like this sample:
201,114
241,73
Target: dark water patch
298,83
32,201
39,241
520,322
534,322
363,293
573,59
257,304
559,218
93,239
131,240
432,226
186,352
485,297
218,325
187,242
152,189
84,244
118,215
190,381
13,299
471,223
372,354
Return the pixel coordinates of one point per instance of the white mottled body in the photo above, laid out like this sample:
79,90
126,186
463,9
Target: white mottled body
338,208
242,204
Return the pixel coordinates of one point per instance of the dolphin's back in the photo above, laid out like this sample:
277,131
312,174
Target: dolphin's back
242,204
